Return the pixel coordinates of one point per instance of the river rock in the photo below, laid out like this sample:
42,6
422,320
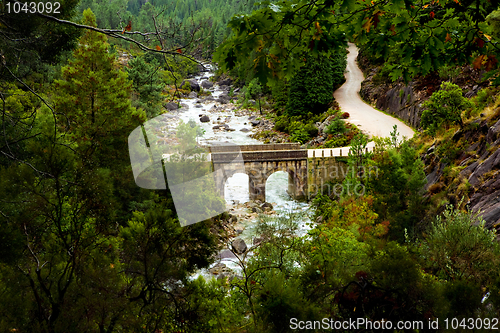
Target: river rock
217,268
204,119
266,205
206,84
192,83
171,106
225,82
244,130
255,122
257,210
239,229
223,99
239,246
225,254
193,94
257,240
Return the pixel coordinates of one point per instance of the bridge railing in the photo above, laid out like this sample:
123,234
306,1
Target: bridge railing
336,152
250,148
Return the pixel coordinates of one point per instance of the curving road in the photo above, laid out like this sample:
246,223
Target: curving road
368,119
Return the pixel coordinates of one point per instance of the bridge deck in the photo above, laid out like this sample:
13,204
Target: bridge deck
274,152
261,156
250,148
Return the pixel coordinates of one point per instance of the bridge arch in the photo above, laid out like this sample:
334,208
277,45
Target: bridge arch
261,161
233,186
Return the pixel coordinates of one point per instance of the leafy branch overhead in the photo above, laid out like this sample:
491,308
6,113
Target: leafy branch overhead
412,37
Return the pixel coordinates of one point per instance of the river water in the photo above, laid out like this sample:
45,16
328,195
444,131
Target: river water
236,187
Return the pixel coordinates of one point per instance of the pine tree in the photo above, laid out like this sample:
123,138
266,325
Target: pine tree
147,83
93,98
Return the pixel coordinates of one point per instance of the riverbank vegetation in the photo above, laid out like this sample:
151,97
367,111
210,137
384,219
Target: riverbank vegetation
84,249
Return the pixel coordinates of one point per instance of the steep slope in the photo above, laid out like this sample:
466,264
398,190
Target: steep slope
465,165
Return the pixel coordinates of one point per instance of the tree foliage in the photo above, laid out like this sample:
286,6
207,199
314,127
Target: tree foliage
147,82
93,95
444,107
311,88
412,38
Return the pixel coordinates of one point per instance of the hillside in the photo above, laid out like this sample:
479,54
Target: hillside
461,164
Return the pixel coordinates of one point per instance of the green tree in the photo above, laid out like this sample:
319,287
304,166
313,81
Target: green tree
459,247
311,89
93,96
147,83
445,107
395,178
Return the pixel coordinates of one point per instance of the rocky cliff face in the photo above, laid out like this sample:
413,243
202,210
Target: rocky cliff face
398,99
471,170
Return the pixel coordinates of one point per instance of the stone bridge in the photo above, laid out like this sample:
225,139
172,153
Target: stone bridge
309,170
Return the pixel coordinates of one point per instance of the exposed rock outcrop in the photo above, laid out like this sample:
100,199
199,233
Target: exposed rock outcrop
478,162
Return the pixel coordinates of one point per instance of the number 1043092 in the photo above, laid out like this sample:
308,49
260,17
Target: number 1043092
32,7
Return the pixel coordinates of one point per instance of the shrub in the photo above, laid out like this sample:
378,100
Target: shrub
300,135
484,98
311,130
444,107
341,141
345,115
461,248
186,86
337,126
281,124
449,72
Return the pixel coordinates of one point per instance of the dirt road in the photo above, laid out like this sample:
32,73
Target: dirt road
369,120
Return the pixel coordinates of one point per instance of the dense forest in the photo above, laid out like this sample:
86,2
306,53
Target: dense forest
84,249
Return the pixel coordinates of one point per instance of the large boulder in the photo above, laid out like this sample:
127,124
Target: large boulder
170,106
223,99
206,84
192,83
239,246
